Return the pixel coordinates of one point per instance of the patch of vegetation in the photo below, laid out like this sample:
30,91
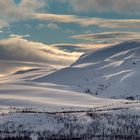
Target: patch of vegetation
78,126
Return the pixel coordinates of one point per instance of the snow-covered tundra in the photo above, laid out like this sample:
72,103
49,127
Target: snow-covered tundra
95,97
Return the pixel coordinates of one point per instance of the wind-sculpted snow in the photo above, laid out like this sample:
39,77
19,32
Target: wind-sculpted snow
112,72
104,53
50,97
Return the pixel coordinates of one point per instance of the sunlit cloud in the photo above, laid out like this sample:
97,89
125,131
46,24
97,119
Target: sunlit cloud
109,36
82,47
10,11
56,17
83,21
32,10
112,23
17,48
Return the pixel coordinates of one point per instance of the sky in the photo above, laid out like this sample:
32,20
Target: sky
64,28
60,21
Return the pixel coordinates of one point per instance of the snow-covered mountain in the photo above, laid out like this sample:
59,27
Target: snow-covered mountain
112,72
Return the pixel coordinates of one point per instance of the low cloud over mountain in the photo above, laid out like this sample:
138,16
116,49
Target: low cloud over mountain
18,49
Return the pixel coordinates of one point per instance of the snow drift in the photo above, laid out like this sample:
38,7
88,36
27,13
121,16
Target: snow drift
112,72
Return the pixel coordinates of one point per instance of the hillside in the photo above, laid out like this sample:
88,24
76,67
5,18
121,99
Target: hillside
112,72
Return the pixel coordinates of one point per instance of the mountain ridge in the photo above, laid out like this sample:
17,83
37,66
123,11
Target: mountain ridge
109,72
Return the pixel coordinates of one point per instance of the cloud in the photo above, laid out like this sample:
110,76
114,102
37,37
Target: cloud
51,25
83,21
112,23
3,24
28,9
108,23
56,17
18,36
10,11
83,47
20,49
109,36
41,26
105,6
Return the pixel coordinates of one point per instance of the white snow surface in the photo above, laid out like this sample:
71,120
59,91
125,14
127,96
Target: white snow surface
100,78
98,81
111,72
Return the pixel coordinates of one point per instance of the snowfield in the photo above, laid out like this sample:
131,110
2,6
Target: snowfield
97,96
111,72
50,97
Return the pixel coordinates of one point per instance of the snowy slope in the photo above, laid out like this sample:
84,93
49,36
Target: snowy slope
40,100
112,72
113,75
49,97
